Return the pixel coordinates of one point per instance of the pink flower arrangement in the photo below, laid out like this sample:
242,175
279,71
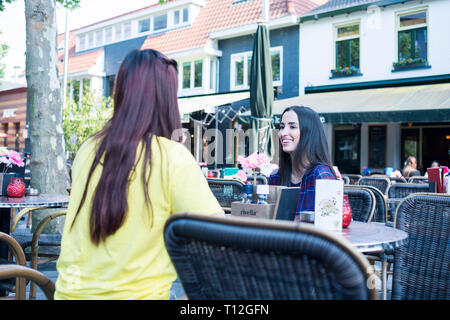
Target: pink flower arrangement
254,162
10,158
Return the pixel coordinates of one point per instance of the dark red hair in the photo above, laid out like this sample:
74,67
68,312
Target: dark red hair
145,105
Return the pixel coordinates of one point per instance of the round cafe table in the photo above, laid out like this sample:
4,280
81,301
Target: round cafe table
42,200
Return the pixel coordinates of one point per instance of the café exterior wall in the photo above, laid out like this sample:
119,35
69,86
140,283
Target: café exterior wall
378,49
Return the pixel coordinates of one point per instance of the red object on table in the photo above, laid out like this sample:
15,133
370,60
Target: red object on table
16,188
210,174
346,212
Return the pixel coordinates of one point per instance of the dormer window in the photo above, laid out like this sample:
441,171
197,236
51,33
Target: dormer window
176,17
82,42
127,29
160,22
99,37
108,35
118,32
185,15
91,40
144,25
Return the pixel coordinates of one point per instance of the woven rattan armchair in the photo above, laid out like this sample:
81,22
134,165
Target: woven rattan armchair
226,191
224,257
418,179
422,266
346,179
362,201
8,285
402,190
380,182
51,242
25,273
354,178
397,180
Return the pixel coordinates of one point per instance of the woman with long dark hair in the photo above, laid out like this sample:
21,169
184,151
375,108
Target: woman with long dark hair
127,180
304,156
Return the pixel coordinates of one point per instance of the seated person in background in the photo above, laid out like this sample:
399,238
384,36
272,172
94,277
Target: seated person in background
410,168
128,179
304,154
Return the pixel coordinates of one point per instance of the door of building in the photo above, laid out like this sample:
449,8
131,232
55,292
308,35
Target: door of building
435,146
347,149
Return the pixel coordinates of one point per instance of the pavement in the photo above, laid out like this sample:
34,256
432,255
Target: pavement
49,269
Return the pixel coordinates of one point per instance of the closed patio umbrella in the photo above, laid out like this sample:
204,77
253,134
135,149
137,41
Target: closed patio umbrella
261,92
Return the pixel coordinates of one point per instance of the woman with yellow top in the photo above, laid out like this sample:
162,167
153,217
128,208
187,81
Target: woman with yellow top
127,180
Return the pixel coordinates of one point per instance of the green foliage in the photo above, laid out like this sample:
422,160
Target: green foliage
80,121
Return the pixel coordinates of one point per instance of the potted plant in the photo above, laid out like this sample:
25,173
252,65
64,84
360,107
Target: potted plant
408,63
344,72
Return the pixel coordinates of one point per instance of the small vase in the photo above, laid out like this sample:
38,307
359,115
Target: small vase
16,188
346,213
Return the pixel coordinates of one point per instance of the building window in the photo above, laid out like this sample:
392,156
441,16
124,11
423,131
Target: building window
127,29
176,17
186,75
241,68
192,74
118,32
99,38
185,15
108,35
160,22
82,42
347,46
144,25
198,71
412,36
90,40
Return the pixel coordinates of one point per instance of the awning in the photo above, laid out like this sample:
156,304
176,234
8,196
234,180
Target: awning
424,103
209,102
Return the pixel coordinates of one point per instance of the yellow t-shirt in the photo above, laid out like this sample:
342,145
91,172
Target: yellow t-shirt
133,262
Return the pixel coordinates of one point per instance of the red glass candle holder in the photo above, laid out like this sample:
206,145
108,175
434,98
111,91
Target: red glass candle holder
346,212
16,188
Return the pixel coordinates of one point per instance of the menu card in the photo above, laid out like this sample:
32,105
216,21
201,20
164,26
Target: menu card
328,204
436,175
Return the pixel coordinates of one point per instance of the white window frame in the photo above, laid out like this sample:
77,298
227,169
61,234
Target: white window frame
192,76
82,39
89,45
336,39
99,42
234,58
416,26
157,16
118,27
149,25
106,41
125,36
179,17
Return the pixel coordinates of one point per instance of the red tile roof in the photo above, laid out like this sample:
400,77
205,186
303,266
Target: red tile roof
220,15
77,62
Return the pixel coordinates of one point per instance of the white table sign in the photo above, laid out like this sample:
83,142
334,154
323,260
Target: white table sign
328,204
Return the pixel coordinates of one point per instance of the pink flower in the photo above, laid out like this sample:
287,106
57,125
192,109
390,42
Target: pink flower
253,161
16,159
241,175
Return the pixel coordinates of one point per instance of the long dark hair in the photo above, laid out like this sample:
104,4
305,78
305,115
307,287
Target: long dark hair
312,149
145,104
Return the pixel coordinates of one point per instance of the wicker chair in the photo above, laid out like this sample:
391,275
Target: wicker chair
7,284
421,267
381,182
362,201
403,190
52,242
22,272
354,178
226,191
346,179
229,258
397,180
418,179
381,208
260,179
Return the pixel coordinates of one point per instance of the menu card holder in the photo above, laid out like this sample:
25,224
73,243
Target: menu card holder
328,204
287,202
436,175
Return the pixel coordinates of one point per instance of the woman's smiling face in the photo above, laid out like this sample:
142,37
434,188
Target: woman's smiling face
289,131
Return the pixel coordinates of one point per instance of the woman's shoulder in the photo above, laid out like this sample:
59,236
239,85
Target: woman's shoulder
175,151
322,171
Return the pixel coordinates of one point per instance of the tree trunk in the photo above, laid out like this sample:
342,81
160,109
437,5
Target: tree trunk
48,169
